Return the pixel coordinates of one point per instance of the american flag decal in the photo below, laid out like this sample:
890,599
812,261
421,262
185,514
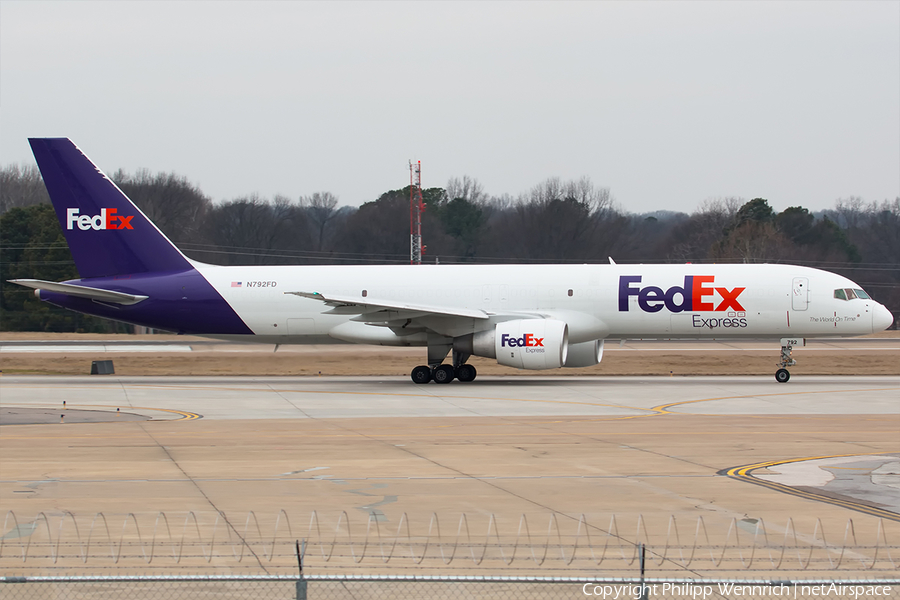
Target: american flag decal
235,284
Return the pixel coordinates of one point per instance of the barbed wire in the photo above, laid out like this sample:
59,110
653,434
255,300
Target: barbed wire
208,538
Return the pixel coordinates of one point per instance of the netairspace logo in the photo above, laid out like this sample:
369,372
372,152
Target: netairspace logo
107,219
696,591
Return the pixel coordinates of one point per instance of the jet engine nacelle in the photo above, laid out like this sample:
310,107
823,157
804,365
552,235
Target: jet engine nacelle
585,354
533,344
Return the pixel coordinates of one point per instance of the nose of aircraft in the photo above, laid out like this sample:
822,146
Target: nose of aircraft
881,318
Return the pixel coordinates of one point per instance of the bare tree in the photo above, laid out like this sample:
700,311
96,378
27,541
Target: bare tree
753,241
694,238
884,232
723,207
554,220
173,203
467,188
252,231
321,208
851,212
20,187
583,191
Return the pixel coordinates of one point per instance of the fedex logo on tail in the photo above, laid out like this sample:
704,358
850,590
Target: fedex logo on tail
107,219
698,294
529,340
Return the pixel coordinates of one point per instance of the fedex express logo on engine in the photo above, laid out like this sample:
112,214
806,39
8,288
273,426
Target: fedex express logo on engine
698,294
529,340
107,219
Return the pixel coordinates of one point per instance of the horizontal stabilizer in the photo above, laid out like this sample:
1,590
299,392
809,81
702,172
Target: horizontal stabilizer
365,305
80,291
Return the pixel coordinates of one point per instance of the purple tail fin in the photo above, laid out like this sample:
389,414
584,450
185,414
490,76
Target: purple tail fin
107,234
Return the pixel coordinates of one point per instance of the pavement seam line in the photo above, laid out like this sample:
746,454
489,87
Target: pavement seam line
205,496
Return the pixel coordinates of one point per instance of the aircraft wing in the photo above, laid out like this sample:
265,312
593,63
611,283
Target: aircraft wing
81,291
373,310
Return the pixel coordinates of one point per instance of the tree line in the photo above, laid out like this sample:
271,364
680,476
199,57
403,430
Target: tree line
554,221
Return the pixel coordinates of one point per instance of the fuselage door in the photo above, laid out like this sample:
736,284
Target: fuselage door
800,293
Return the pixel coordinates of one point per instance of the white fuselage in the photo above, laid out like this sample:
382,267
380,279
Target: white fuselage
731,300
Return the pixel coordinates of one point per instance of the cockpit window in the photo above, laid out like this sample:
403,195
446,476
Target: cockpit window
848,294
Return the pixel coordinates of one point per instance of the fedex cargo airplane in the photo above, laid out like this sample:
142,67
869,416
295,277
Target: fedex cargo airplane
524,316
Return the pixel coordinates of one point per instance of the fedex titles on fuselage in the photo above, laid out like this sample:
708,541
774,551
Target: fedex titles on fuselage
698,294
107,219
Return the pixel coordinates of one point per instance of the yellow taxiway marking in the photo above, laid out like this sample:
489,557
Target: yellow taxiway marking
351,393
198,435
745,473
185,415
664,408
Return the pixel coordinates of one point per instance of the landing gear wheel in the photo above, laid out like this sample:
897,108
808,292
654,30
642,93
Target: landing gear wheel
466,373
421,374
443,374
787,347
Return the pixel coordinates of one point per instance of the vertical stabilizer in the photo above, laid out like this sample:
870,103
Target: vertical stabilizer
107,234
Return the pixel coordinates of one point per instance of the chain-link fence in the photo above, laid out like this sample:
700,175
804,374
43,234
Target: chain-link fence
417,587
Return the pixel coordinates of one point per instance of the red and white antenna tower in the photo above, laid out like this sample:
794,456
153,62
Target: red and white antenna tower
416,207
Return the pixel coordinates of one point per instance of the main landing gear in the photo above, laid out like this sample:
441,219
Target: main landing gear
782,375
421,374
443,373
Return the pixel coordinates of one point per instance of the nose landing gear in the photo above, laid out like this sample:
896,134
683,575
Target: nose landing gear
782,375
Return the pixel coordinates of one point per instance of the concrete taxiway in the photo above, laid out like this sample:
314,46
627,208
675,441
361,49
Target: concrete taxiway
744,454
248,398
625,445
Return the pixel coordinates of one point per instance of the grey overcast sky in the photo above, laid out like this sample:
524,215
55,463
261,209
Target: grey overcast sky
665,103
